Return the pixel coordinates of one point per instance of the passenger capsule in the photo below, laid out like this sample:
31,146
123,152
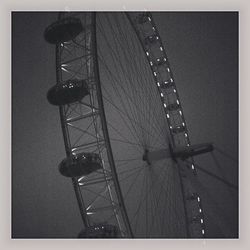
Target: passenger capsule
160,61
67,92
178,129
80,165
151,39
63,30
100,231
173,106
192,196
167,84
195,219
143,18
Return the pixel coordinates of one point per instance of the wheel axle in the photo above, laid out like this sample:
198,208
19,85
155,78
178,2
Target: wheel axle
178,152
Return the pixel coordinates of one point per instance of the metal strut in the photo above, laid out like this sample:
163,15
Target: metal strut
105,130
67,140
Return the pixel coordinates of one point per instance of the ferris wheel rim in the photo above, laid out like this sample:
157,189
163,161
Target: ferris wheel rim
62,112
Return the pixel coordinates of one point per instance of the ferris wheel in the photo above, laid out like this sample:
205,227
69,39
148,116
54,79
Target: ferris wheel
128,151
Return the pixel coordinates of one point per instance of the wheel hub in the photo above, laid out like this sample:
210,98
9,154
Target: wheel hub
153,156
145,157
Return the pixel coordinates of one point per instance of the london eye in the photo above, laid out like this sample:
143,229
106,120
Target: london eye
128,149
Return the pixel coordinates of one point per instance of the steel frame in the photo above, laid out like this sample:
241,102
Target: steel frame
153,47
85,129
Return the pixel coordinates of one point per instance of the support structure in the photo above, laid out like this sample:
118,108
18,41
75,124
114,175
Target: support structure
89,159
